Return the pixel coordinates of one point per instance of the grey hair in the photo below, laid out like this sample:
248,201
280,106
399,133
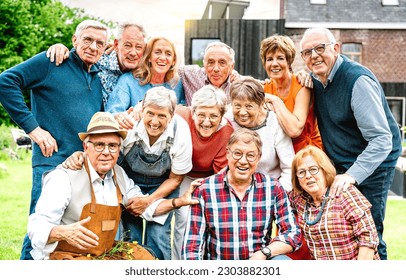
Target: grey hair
123,25
320,30
209,96
231,52
247,136
161,97
91,24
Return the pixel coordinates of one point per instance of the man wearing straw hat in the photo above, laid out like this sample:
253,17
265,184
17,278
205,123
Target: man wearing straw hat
62,219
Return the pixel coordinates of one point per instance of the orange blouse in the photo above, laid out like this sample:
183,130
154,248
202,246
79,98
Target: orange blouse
310,134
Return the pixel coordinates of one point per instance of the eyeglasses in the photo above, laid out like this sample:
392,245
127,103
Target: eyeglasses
100,146
313,170
319,49
212,117
88,41
237,155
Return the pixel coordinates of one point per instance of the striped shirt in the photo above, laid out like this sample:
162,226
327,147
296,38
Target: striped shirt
224,227
345,225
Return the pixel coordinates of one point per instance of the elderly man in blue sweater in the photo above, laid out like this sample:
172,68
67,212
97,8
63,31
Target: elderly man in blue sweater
63,100
358,130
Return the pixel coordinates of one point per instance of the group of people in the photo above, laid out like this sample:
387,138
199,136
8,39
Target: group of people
244,168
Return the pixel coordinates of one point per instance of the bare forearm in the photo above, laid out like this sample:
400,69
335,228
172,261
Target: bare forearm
365,253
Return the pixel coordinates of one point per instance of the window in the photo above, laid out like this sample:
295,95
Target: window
318,2
352,51
390,2
198,47
398,107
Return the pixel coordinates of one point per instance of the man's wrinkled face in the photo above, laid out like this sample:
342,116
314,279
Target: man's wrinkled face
218,65
130,48
102,161
90,45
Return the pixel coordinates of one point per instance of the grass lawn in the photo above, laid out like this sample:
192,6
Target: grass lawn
15,188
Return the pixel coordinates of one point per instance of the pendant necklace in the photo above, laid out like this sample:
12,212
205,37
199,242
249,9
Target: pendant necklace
318,217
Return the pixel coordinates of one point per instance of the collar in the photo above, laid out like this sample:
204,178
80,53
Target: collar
110,62
226,184
330,78
93,69
96,177
223,86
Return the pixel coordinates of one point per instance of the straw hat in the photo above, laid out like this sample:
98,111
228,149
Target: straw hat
102,122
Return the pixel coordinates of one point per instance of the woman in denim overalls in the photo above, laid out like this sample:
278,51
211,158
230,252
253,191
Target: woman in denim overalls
150,158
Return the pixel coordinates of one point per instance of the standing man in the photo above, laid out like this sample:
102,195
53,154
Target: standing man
63,101
129,47
218,65
358,130
237,207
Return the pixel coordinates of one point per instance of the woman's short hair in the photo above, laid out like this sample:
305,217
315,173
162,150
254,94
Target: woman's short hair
276,43
248,88
161,97
247,136
209,96
91,24
323,161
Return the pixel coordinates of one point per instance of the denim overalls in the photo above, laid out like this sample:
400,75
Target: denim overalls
149,171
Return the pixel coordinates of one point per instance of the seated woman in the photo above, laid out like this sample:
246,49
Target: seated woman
290,100
248,110
210,133
341,228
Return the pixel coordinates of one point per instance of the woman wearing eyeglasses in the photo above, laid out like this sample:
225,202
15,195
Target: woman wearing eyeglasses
291,101
210,133
340,228
248,110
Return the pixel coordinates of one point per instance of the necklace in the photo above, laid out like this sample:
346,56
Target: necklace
318,217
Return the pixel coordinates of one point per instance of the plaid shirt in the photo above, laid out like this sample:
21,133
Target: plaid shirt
224,227
345,225
109,73
194,78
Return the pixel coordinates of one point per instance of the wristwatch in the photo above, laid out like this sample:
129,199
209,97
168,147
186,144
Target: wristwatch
267,252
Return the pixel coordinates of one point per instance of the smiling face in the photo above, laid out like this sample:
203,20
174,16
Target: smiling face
320,64
90,54
130,48
102,161
246,113
241,170
207,120
276,65
162,58
155,120
315,185
218,65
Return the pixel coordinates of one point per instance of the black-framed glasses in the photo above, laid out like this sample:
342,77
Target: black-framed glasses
313,170
319,49
100,146
237,155
88,41
212,117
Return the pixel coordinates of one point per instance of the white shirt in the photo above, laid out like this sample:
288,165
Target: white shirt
56,196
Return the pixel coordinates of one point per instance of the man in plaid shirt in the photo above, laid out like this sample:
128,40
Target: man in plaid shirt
236,210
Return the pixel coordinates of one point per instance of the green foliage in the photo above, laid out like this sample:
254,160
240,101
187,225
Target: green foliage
28,27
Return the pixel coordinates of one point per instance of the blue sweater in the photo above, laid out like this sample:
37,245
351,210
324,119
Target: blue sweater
339,125
63,100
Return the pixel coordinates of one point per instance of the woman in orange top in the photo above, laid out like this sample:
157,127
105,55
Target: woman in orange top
291,102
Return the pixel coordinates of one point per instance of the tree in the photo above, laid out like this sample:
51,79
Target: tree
31,26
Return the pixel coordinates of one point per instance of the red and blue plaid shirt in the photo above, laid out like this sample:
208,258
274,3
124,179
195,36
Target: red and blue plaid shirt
224,227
